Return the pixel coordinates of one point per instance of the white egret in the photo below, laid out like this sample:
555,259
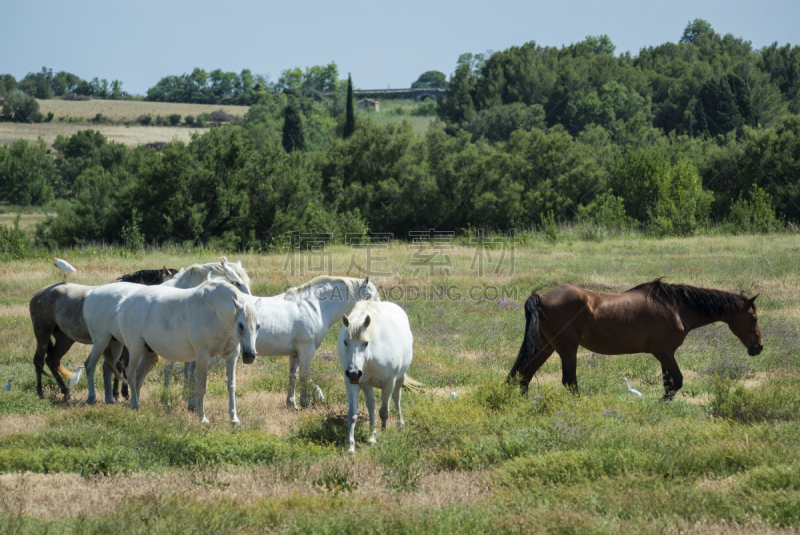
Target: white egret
76,377
631,391
64,266
453,395
8,385
232,275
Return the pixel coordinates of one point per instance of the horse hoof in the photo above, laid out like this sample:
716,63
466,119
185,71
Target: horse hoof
91,401
235,421
304,402
372,440
111,401
351,449
204,420
290,404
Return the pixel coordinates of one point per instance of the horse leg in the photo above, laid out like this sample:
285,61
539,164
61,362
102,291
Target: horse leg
670,374
148,363
352,414
569,367
230,366
122,366
538,360
137,352
189,380
294,371
398,388
99,344
369,397
386,393
53,360
111,354
167,373
201,359
306,355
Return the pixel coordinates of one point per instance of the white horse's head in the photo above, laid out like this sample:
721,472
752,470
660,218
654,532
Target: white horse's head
247,327
367,291
356,339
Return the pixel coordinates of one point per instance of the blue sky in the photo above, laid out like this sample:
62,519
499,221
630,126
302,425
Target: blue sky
382,43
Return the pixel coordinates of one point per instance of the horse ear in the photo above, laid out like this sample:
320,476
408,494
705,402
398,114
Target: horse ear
345,321
208,277
258,303
239,263
166,271
366,322
238,305
366,281
752,300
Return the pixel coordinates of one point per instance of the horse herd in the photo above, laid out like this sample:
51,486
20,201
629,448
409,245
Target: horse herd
207,311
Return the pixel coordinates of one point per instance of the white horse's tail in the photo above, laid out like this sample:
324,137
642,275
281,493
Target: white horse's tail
411,384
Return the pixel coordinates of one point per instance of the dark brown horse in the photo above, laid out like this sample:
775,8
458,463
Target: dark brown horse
57,317
654,317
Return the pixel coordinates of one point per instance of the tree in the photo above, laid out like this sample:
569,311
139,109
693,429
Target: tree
293,136
694,29
350,118
21,108
430,79
600,44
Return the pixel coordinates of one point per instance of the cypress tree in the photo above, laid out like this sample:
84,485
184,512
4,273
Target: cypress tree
293,136
350,118
701,126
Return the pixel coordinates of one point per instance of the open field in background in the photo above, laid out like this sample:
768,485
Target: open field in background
388,114
489,460
128,110
129,135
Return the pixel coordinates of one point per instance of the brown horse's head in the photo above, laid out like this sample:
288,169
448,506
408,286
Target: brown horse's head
744,325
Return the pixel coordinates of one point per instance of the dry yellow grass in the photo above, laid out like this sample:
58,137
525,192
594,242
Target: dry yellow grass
129,135
128,110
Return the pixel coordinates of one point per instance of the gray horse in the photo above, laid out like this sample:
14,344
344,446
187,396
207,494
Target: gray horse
57,317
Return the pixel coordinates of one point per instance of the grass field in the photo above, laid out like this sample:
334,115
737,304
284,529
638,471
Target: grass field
128,110
389,114
721,458
129,135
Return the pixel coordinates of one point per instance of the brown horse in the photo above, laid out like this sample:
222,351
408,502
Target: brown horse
654,317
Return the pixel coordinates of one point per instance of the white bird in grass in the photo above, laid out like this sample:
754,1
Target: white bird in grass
76,377
631,391
231,273
8,385
453,395
64,266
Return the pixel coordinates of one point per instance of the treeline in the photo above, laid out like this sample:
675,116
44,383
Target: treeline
287,164
706,84
45,84
220,87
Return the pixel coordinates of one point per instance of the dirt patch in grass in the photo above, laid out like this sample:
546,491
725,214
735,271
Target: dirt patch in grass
15,310
21,424
59,495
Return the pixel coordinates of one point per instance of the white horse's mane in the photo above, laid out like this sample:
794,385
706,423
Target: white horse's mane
356,318
196,273
351,283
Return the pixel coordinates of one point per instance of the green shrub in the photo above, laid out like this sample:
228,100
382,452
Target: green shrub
549,227
756,215
189,120
777,400
20,108
174,119
145,120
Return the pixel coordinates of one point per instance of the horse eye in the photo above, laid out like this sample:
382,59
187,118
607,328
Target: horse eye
345,343
366,344
241,326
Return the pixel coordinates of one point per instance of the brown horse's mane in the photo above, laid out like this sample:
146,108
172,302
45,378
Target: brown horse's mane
705,301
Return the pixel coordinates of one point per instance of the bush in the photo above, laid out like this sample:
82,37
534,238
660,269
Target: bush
50,116
160,121
20,108
221,116
756,216
174,119
201,120
14,243
189,120
144,120
27,174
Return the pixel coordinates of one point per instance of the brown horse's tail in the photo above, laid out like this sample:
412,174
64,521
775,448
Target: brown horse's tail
533,307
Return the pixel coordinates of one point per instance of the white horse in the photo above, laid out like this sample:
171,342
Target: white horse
294,323
184,326
375,349
106,299
196,274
